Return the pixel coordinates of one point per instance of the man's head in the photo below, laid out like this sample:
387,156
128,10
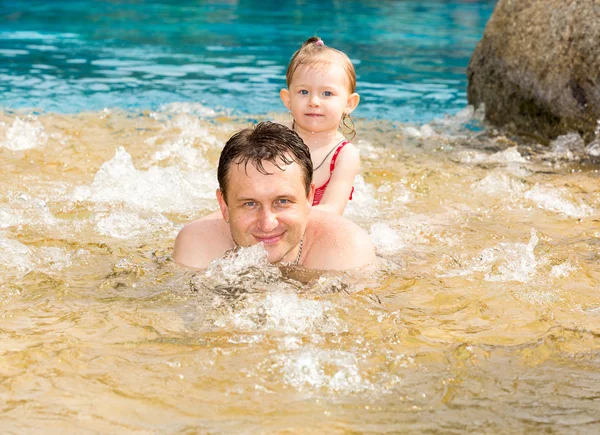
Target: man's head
266,142
266,191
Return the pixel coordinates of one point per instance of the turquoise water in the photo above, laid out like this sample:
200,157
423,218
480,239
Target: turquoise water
69,57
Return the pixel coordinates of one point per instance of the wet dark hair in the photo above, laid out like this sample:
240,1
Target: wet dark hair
267,141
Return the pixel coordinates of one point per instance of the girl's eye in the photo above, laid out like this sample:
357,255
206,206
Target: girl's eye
328,93
303,92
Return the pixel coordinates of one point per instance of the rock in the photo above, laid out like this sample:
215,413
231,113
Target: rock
537,68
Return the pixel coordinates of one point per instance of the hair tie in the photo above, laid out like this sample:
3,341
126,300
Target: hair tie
319,42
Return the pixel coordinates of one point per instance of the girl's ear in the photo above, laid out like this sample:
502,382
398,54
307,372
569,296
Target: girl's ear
284,94
353,100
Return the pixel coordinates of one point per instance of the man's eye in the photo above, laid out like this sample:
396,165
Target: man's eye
283,202
250,204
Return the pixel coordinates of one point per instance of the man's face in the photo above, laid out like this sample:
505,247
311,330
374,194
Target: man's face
272,209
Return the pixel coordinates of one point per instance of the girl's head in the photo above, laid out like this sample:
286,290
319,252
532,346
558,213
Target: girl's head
315,54
321,85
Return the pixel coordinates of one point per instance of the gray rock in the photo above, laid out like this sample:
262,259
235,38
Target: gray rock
537,68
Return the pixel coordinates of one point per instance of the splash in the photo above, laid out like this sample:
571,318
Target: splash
311,368
363,203
7,218
127,225
25,134
504,262
555,200
187,148
157,189
283,312
499,184
195,109
15,256
386,240
25,209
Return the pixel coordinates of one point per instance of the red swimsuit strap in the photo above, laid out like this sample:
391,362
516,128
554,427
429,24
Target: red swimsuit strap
334,158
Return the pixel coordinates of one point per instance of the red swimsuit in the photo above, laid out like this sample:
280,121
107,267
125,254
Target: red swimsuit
320,191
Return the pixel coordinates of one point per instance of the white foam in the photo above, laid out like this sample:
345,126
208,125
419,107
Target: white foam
500,184
363,203
231,268
128,225
186,151
472,157
411,132
562,270
385,239
503,263
507,156
311,368
157,189
512,261
427,131
7,218
25,209
282,311
188,108
53,258
15,256
25,134
555,200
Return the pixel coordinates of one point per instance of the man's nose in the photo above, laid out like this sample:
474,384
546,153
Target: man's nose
268,220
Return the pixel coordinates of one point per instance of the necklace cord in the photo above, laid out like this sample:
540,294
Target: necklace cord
330,151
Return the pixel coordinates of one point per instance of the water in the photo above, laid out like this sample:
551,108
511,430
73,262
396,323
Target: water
483,318
77,56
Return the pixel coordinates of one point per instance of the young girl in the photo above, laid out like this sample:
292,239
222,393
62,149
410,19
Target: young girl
320,96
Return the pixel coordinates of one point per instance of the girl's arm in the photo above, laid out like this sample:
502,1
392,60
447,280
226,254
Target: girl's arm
338,190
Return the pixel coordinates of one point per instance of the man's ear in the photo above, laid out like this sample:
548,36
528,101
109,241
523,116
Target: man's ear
353,101
284,94
311,195
223,206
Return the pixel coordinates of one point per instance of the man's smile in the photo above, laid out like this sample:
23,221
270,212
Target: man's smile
269,239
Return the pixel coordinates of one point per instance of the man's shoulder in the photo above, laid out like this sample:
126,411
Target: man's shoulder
201,241
337,242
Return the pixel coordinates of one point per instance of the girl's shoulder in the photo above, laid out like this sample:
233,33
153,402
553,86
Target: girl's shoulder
347,151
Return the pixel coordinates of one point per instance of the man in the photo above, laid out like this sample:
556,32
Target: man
265,196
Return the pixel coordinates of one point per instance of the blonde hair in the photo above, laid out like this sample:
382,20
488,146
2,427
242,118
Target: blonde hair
315,53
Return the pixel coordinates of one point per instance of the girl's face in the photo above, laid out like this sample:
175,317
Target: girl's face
319,97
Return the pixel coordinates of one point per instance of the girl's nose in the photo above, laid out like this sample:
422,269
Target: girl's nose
314,101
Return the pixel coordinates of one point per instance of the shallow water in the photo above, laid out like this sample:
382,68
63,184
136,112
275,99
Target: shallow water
484,317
